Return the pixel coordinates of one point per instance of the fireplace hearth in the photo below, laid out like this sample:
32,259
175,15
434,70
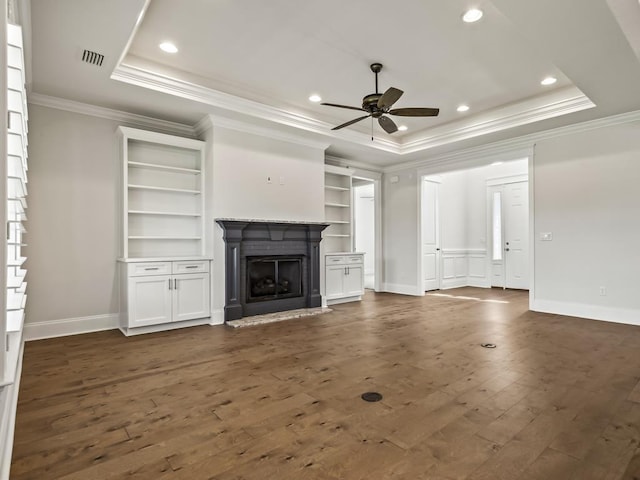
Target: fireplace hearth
270,266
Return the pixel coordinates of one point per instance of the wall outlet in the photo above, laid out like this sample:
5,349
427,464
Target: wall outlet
281,180
603,291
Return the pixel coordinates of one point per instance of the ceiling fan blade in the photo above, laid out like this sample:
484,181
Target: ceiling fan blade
387,124
389,97
415,112
350,122
343,106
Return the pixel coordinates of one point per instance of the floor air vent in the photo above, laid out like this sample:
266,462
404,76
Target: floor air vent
93,58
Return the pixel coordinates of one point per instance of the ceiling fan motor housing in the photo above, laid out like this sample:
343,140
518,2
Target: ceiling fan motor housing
370,104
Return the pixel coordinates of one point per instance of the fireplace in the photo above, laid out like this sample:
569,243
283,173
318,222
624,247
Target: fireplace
270,266
272,278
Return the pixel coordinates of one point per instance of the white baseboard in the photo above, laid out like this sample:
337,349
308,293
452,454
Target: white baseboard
336,301
217,317
70,326
8,407
592,312
448,283
480,282
402,289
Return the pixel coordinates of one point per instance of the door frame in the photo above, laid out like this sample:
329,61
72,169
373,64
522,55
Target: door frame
501,182
376,179
421,178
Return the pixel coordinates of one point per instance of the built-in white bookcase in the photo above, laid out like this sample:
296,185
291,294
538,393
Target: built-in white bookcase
337,237
163,201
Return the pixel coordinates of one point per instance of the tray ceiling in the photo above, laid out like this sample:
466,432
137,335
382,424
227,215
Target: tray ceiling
262,60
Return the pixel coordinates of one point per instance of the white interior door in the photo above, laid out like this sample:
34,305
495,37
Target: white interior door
516,235
509,206
430,235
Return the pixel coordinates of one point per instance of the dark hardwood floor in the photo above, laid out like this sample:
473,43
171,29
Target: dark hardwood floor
559,398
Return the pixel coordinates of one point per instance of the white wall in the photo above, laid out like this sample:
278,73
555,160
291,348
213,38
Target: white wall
587,194
243,162
453,210
400,233
72,227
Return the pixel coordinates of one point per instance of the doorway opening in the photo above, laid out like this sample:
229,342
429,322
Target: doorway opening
364,227
474,227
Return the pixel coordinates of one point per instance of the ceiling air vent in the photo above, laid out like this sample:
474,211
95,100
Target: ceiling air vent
93,58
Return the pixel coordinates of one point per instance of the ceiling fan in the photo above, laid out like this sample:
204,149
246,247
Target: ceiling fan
377,105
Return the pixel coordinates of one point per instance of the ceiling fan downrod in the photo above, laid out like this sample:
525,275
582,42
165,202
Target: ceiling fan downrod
375,68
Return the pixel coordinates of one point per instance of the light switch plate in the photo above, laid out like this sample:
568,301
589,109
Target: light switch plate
546,236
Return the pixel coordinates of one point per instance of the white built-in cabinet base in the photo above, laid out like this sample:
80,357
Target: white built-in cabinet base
164,295
344,277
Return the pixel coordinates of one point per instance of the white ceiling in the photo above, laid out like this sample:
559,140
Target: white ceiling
262,60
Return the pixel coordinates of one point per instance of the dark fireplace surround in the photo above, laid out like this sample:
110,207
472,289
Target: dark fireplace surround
264,243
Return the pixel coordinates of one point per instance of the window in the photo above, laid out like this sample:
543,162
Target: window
496,226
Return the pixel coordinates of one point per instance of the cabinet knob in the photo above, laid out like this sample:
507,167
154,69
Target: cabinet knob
169,284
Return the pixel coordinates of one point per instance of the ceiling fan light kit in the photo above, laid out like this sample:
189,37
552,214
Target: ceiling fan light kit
378,105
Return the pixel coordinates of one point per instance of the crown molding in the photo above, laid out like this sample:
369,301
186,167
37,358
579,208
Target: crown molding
143,77
556,103
119,116
563,102
212,121
519,147
343,162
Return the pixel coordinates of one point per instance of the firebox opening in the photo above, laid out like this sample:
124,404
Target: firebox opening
273,277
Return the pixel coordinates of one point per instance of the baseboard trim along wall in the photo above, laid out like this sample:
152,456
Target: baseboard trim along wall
592,312
402,289
70,326
217,317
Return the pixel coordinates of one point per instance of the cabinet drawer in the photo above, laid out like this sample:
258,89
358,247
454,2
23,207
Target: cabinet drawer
198,266
355,259
335,260
149,268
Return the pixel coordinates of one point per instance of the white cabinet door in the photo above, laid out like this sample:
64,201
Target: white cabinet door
354,281
334,281
149,300
190,296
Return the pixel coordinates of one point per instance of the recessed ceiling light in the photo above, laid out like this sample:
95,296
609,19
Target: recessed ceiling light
315,98
463,108
472,15
168,47
403,128
549,81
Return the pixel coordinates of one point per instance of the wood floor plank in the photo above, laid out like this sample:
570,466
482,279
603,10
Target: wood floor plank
557,399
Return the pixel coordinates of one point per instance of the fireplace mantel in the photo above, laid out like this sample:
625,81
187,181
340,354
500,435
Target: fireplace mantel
246,238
